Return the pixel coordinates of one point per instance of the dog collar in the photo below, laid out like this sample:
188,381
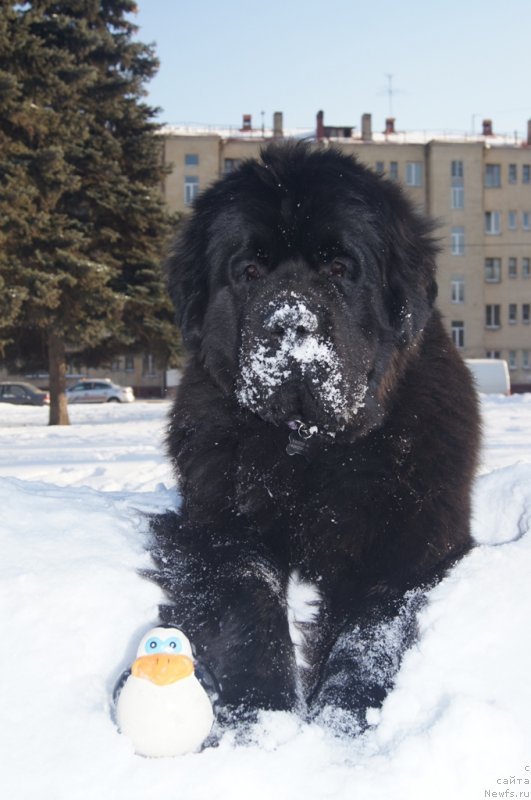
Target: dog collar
300,434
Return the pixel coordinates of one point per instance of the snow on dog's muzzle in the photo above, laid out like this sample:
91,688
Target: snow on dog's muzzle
291,348
292,319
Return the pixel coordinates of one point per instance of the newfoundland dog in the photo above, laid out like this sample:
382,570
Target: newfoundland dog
325,432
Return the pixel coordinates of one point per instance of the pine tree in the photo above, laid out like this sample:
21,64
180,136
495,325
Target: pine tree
82,220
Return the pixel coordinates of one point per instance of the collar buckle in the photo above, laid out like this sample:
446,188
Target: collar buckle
299,435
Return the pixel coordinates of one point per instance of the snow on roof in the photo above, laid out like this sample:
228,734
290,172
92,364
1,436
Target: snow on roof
232,131
400,137
423,137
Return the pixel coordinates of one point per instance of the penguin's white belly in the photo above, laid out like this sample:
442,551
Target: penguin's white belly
164,720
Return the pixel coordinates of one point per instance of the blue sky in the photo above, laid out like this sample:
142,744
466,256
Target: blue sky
453,63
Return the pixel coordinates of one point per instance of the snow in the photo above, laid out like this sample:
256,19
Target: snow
228,131
74,535
303,608
232,131
264,367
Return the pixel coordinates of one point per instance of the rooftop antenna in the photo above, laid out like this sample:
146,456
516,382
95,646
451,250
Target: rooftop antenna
390,91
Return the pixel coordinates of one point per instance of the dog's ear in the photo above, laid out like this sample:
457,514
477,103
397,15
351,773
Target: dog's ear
411,268
187,280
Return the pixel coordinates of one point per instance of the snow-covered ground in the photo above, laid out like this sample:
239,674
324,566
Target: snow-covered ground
73,529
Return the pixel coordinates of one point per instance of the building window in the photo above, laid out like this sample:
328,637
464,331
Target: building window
148,365
191,188
191,159
513,267
457,191
525,220
116,365
414,173
525,313
493,354
492,316
380,167
512,220
129,364
513,175
393,170
230,164
512,313
512,359
457,197
458,241
493,270
493,222
492,176
525,359
458,290
458,333
526,268
457,170
526,173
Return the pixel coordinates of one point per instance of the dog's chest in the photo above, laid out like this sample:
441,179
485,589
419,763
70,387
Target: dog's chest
270,484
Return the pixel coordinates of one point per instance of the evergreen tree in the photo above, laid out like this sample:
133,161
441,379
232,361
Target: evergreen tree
82,221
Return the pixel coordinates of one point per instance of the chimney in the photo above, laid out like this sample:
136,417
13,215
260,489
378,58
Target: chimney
529,132
389,125
366,128
320,126
278,133
246,122
487,127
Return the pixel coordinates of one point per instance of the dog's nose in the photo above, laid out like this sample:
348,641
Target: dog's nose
280,331
292,318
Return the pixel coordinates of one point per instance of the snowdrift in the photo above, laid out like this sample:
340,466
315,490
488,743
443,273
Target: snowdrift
74,537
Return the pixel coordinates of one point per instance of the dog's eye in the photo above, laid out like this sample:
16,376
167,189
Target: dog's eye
251,272
337,268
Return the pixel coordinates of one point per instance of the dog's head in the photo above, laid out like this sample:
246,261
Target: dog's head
301,281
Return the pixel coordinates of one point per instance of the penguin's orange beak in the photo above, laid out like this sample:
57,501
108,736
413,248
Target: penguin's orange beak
163,669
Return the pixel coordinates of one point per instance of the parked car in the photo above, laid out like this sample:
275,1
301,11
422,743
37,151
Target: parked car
101,390
491,375
23,393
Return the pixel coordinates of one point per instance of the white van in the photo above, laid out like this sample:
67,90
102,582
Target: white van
491,375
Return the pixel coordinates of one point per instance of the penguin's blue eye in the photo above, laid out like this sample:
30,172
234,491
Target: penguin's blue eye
153,645
172,644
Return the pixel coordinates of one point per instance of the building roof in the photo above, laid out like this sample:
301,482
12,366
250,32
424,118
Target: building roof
399,137
232,131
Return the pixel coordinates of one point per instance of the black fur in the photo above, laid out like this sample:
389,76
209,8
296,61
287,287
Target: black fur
308,249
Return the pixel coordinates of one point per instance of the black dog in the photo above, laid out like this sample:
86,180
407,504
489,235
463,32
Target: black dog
325,424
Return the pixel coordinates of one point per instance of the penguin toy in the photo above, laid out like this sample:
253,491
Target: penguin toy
160,705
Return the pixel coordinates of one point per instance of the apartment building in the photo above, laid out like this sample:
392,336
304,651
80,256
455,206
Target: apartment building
478,188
